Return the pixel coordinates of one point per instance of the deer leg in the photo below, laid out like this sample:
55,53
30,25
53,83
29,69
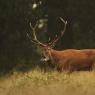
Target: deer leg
93,66
59,69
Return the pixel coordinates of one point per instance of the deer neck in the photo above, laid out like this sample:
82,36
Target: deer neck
54,56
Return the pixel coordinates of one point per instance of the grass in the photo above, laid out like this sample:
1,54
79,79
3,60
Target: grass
37,82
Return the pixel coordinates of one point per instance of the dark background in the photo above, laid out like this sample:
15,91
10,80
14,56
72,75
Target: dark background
17,53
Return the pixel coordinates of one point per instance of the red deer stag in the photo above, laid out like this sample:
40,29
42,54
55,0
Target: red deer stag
66,60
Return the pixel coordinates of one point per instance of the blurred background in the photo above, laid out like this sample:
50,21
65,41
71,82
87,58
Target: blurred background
17,53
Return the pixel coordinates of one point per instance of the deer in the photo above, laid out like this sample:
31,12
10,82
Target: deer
64,60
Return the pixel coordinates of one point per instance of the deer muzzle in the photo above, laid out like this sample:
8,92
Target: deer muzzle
44,59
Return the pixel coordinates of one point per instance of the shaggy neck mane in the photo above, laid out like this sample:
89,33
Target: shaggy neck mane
56,54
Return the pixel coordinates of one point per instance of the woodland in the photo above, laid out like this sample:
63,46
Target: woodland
16,50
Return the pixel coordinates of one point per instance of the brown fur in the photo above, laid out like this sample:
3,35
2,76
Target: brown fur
72,59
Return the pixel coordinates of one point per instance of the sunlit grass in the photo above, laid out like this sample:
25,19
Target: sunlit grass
37,82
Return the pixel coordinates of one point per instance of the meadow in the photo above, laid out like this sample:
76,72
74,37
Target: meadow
38,82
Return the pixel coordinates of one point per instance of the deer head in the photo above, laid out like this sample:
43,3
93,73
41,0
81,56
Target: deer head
46,47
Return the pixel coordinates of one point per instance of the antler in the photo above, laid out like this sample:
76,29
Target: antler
35,40
52,43
59,36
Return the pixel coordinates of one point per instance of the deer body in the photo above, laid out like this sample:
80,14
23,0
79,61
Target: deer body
72,59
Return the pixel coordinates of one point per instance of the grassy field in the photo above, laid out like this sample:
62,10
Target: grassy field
37,82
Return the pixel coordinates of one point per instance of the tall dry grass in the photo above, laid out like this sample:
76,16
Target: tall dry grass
37,82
